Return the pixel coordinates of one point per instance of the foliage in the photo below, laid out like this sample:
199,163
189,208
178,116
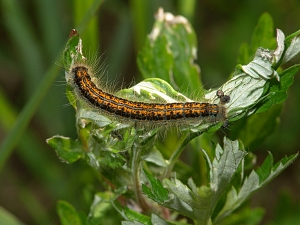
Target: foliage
141,181
34,106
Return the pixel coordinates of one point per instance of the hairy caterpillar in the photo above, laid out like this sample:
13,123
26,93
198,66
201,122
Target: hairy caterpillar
141,111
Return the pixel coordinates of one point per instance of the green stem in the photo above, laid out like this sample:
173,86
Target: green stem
135,170
184,140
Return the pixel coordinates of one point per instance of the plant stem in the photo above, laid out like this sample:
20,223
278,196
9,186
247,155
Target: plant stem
135,170
184,140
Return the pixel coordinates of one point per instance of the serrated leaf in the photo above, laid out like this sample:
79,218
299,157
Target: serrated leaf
223,168
136,217
265,170
276,169
157,192
67,213
244,91
68,151
199,203
256,180
182,199
156,220
249,84
251,133
132,217
267,111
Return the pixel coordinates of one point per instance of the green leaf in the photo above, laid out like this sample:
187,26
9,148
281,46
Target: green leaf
85,116
157,192
246,89
248,86
293,42
68,151
153,90
101,210
261,65
8,219
170,52
199,203
131,223
156,220
244,56
67,213
109,159
111,142
265,170
73,51
263,35
252,183
224,166
159,91
291,37
70,95
287,77
252,134
155,157
183,200
278,92
155,60
132,217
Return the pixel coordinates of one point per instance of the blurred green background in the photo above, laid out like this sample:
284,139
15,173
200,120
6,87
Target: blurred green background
33,36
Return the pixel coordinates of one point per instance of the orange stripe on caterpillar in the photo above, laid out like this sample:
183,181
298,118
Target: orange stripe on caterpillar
143,111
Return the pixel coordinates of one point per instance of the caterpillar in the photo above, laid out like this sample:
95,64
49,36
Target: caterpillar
141,111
